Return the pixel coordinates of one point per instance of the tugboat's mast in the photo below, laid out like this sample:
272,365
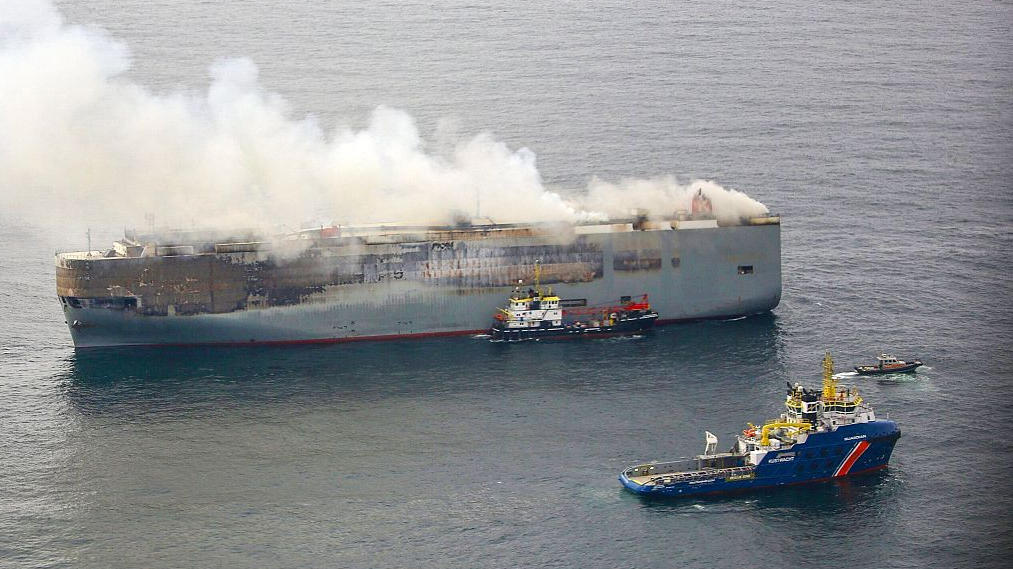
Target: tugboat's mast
829,383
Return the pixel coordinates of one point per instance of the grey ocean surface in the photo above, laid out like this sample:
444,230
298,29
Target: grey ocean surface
880,131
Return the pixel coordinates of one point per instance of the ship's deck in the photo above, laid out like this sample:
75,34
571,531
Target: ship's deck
675,477
174,242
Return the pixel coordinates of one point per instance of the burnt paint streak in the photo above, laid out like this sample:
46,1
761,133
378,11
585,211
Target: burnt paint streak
226,282
402,283
636,260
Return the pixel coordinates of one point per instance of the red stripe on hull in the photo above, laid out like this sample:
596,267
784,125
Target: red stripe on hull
856,453
772,486
832,478
868,470
381,338
667,321
378,338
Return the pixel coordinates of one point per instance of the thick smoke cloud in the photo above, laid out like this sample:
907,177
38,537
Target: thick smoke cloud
78,138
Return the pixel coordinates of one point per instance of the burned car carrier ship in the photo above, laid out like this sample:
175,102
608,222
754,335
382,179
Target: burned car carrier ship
334,284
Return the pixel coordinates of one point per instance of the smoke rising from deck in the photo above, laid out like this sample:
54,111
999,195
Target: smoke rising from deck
79,139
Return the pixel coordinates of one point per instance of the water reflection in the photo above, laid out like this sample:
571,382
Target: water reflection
152,378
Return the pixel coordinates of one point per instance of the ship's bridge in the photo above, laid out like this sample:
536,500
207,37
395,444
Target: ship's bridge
832,406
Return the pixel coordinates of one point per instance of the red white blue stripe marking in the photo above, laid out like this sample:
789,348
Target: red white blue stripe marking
851,459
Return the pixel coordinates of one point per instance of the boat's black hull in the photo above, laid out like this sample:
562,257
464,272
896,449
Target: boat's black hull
876,370
628,326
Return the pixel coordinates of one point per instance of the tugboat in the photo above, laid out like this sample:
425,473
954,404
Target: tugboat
888,364
535,315
824,434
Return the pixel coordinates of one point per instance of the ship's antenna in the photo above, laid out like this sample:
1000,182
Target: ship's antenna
538,277
829,383
88,233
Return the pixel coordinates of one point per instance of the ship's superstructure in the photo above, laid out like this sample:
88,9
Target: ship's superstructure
823,434
334,284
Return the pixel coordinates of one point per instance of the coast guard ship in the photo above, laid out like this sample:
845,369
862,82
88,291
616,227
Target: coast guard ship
823,434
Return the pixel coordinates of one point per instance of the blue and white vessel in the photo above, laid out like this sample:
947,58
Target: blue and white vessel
823,434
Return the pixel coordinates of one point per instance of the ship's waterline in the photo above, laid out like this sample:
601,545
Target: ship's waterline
344,284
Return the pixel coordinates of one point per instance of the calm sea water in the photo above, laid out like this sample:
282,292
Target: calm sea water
882,134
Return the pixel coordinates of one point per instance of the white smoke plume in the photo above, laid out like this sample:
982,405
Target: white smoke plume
77,137
664,196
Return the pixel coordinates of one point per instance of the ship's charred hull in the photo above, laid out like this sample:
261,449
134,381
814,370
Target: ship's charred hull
379,287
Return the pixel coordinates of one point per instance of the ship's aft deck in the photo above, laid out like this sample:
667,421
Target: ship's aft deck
676,477
702,467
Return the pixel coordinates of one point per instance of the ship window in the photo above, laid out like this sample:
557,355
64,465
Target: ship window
745,269
828,464
839,450
824,451
73,302
814,465
676,262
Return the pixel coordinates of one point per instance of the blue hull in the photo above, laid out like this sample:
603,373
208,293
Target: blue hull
847,451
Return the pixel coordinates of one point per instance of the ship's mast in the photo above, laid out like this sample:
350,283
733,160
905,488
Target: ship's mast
829,383
538,277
